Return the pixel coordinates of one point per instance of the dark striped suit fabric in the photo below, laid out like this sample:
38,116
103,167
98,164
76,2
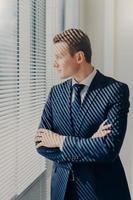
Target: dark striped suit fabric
99,173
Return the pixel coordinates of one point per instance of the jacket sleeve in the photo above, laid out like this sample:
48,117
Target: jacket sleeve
101,149
46,122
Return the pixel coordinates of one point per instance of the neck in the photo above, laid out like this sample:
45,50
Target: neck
83,72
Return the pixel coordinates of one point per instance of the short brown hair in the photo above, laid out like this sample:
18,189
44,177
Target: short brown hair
76,40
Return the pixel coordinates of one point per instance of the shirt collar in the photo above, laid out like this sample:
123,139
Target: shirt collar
87,80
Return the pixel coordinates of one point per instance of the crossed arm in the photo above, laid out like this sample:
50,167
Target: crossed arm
103,146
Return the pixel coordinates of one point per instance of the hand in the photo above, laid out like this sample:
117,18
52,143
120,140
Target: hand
103,130
47,138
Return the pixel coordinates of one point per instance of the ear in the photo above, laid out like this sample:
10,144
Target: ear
80,57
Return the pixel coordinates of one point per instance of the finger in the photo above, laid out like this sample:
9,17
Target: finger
40,131
44,131
38,139
38,134
101,133
40,144
104,122
104,127
105,132
95,135
49,131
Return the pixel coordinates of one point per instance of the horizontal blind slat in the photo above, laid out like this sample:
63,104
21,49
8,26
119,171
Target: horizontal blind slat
22,95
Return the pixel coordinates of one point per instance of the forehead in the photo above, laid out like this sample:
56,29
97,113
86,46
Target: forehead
60,48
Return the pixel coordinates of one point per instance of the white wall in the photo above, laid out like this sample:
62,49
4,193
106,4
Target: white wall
123,70
92,22
109,25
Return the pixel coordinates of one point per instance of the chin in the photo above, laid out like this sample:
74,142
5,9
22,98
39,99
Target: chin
64,76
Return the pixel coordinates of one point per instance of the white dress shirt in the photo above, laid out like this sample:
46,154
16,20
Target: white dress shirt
87,81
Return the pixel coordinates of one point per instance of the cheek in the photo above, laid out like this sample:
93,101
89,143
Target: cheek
69,65
62,62
70,62
70,68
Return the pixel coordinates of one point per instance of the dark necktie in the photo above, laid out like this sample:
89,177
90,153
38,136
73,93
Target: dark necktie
75,106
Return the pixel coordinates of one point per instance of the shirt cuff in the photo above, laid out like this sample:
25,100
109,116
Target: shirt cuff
61,143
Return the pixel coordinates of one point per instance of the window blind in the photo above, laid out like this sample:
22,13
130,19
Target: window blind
22,92
8,99
54,23
32,67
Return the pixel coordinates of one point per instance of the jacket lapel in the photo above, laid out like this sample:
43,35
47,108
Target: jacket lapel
89,99
66,92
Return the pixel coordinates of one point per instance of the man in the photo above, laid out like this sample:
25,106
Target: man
83,126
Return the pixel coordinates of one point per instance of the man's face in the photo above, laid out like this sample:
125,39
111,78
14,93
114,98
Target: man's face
65,64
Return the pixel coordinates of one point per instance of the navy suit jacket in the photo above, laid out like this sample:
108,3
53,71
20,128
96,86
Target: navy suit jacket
99,174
